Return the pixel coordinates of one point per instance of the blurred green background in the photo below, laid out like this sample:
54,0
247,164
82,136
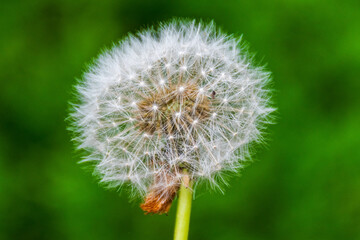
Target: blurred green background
304,184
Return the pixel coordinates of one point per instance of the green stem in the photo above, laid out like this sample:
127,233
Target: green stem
183,210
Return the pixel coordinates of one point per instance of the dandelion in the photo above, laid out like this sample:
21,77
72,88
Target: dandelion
170,108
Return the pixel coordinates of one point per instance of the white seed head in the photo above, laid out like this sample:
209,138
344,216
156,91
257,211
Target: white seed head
184,97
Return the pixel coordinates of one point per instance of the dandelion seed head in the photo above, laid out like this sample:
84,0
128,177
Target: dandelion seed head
187,97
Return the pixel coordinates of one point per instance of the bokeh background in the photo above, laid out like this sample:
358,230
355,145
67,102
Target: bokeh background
304,184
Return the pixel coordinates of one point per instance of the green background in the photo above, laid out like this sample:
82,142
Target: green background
304,184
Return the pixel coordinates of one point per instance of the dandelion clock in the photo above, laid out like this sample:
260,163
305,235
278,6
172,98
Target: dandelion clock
168,109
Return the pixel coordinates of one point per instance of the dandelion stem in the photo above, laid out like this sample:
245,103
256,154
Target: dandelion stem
183,210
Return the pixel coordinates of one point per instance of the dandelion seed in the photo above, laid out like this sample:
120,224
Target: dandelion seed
183,68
